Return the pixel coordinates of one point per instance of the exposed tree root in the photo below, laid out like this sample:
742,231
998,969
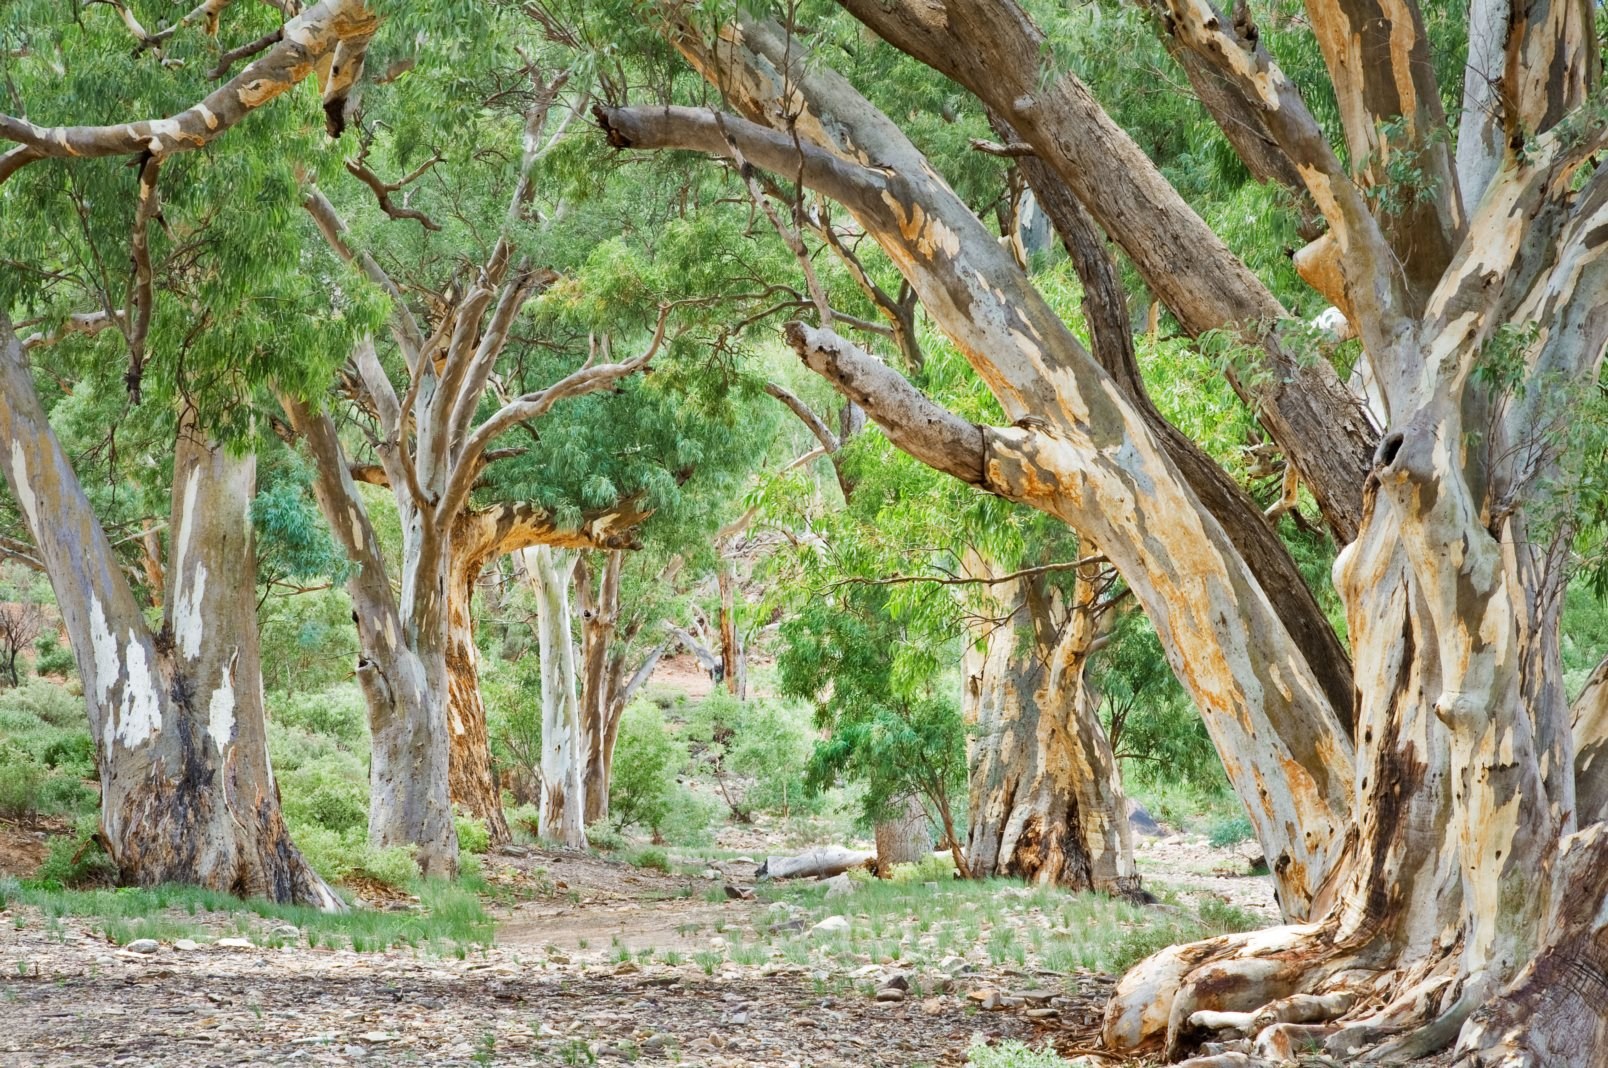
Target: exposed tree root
1270,997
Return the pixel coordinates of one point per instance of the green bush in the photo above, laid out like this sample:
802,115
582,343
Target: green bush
473,837
646,758
51,657
76,860
528,818
690,819
338,712
604,838
22,778
652,857
1230,830
770,749
338,855
30,785
47,703
330,792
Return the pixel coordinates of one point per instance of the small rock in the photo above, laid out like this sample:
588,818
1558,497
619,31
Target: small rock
987,998
711,874
900,981
1041,1014
890,993
831,925
955,965
839,886
186,945
143,945
933,1006
739,1019
287,931
235,943
627,967
654,1043
1033,997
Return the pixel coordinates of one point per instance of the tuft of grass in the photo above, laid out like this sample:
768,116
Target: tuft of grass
1014,1055
652,857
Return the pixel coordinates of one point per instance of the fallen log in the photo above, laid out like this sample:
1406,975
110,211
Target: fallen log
815,863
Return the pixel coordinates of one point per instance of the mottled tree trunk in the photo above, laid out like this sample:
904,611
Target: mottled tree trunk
471,779
401,668
905,838
562,816
1046,798
187,795
733,661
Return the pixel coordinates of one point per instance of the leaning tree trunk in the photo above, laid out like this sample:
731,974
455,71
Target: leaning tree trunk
1046,798
562,815
905,838
186,791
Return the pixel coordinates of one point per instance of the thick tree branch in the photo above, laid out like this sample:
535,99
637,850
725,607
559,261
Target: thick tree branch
138,315
382,190
936,437
321,31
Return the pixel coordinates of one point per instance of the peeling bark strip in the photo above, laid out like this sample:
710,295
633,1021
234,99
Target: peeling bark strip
327,39
186,791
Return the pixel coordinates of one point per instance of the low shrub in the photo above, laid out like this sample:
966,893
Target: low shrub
338,712
330,792
76,861
473,837
1016,1055
527,818
1226,831
604,838
652,857
340,855
646,759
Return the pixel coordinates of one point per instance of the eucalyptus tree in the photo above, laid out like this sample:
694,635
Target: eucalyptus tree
116,230
1409,825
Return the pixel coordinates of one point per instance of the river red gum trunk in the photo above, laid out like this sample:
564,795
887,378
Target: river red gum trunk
186,791
1046,799
471,778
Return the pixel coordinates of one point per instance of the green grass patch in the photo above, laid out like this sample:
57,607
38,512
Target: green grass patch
450,919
